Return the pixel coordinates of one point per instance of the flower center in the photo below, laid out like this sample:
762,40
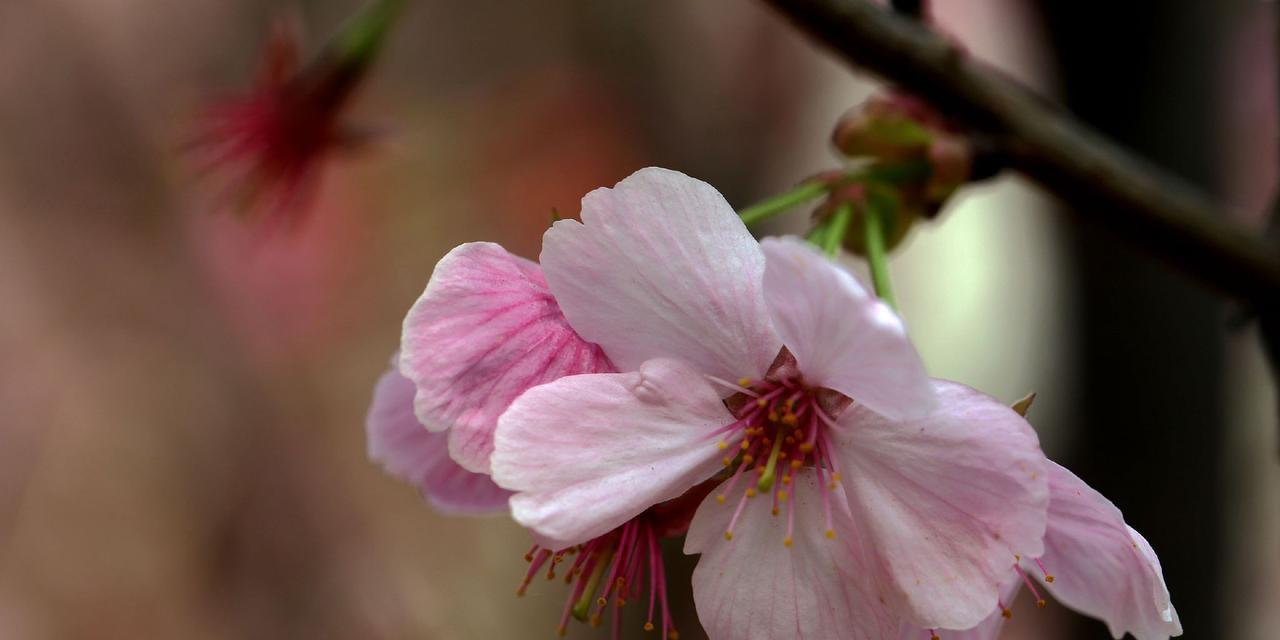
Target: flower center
609,570
782,425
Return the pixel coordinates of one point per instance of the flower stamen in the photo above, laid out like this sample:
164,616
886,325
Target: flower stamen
608,571
1040,602
1048,577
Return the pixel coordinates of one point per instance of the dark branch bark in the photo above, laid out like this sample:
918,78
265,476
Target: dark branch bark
1105,184
910,8
1269,310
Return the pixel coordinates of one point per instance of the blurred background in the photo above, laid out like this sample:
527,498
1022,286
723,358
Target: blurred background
182,399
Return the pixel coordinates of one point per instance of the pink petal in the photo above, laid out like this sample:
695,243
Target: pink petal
408,451
988,629
948,501
753,587
842,337
587,453
1101,566
661,266
485,330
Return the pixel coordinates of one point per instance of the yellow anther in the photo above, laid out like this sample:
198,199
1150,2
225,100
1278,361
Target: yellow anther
720,498
1048,578
744,382
831,534
648,626
791,439
790,420
796,464
934,636
723,445
673,635
761,403
782,496
835,477
746,444
728,461
774,511
748,459
786,479
596,620
751,492
773,416
600,602
806,447
786,542
620,602
1006,614
1041,603
728,535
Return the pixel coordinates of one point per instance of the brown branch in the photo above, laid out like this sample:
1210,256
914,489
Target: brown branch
1104,183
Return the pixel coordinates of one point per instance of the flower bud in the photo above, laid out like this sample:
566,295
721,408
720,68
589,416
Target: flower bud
889,129
896,218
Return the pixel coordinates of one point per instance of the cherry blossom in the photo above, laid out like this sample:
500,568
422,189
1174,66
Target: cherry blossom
771,367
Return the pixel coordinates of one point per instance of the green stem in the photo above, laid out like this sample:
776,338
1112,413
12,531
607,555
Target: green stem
817,236
837,229
361,38
877,258
764,210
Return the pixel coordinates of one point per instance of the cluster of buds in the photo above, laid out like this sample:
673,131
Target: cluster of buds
908,161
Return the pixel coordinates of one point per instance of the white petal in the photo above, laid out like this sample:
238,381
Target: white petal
988,629
754,588
842,337
661,266
948,500
587,453
1101,566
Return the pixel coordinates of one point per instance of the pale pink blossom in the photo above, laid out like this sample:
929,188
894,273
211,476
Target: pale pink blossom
408,451
768,361
485,329
1093,562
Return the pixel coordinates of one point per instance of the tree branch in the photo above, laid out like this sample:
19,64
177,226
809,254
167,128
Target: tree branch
1105,184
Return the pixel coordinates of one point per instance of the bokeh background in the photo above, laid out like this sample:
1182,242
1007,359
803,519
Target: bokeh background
182,400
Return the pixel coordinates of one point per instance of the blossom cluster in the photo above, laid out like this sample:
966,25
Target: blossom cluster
662,374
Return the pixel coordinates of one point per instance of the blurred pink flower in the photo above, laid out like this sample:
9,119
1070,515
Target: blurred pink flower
1094,563
663,275
407,450
271,143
